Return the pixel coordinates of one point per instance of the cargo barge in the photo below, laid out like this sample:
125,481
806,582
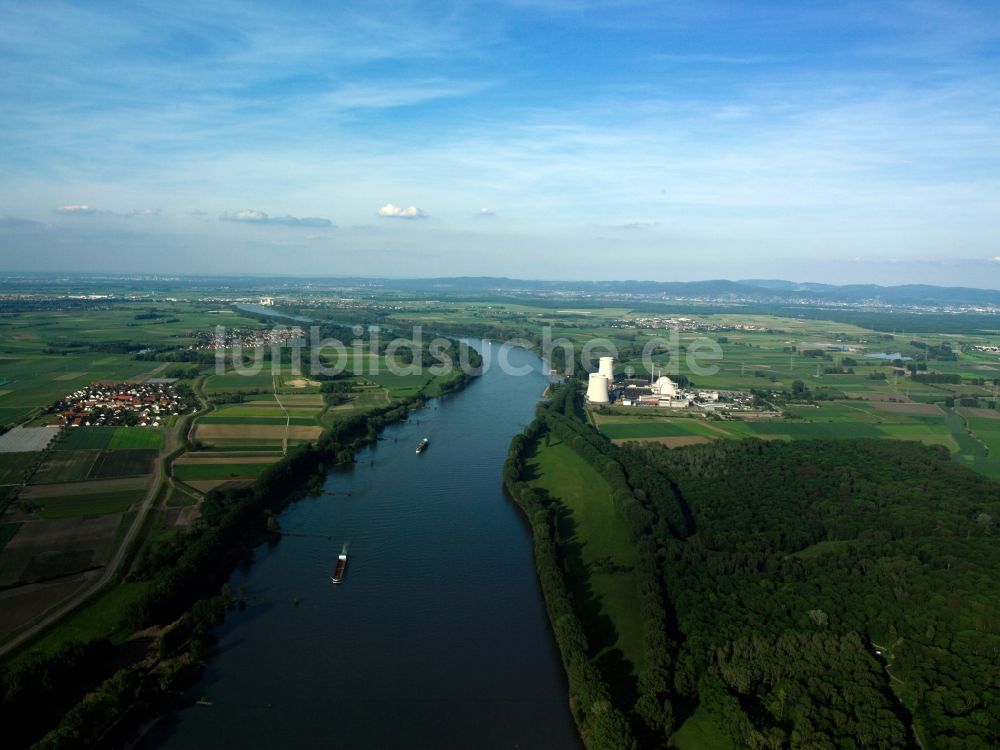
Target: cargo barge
338,574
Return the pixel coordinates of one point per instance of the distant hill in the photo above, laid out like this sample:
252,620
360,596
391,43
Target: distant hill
761,290
769,291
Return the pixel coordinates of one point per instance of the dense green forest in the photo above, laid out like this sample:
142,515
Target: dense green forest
818,594
809,558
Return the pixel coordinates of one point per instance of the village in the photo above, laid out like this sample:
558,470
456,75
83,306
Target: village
685,325
109,404
246,338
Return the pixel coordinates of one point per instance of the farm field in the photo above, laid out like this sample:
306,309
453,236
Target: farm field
209,433
45,548
78,465
14,465
924,423
92,504
235,383
123,463
83,498
113,438
224,469
359,402
65,466
104,618
27,439
277,414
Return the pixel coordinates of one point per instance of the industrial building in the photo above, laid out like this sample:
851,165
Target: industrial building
659,391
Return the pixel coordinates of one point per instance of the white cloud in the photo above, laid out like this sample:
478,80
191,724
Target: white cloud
80,209
251,216
486,212
145,212
390,211
244,215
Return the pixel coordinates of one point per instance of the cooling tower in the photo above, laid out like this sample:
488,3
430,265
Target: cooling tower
597,389
607,368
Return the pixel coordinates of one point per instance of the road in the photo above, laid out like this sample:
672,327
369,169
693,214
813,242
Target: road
288,419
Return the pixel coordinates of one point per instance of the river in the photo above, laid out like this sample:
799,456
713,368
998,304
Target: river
436,638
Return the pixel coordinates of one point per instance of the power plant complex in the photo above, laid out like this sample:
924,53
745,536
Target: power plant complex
657,391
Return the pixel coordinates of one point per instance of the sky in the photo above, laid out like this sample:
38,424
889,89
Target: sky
566,139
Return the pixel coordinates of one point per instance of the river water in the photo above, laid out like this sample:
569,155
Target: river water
436,638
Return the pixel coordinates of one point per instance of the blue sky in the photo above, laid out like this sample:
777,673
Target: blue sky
847,141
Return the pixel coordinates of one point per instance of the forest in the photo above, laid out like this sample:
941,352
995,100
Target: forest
817,594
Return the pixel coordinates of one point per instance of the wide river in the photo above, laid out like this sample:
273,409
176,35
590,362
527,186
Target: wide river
436,638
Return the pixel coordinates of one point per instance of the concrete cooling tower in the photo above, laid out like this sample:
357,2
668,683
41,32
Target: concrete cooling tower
607,368
597,389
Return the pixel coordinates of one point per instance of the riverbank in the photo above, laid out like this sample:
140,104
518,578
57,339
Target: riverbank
182,598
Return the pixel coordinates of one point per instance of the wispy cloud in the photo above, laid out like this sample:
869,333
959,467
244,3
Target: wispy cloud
83,209
249,216
391,211
79,209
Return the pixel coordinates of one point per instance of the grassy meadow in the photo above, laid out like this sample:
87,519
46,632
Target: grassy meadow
596,545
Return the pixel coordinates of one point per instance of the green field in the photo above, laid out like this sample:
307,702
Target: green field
234,382
271,419
826,420
256,410
14,465
97,504
262,445
123,463
138,438
65,466
618,428
400,385
358,402
595,539
218,471
112,438
103,617
86,438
